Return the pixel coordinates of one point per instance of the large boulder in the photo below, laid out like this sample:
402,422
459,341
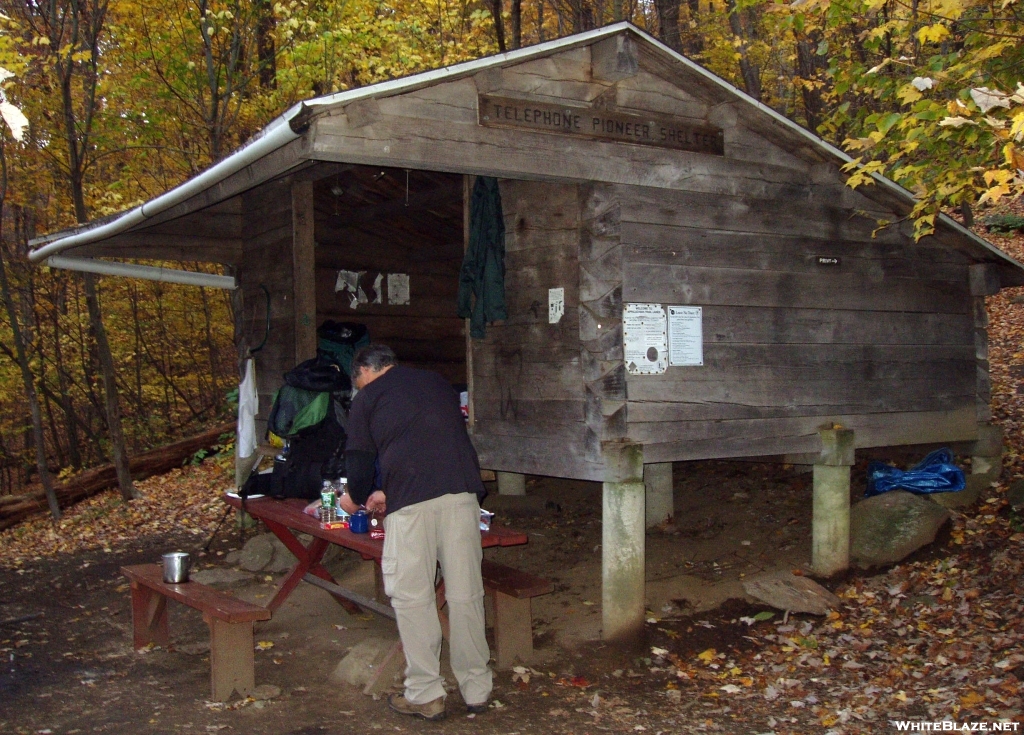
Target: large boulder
360,663
257,552
786,591
283,559
220,577
889,527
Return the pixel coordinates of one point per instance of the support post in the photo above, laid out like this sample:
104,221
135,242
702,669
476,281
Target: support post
830,528
987,454
232,660
304,270
511,483
658,489
623,552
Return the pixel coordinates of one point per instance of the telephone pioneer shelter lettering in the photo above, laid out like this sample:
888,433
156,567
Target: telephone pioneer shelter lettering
502,112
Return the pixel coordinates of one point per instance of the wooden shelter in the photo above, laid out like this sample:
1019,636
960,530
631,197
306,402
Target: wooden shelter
687,274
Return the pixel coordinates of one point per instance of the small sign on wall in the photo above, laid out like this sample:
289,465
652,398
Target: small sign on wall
398,289
645,338
685,335
556,305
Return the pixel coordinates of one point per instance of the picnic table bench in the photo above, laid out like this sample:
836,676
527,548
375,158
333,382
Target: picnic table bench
232,658
510,589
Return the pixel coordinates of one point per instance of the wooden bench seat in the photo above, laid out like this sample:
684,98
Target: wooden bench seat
511,590
232,658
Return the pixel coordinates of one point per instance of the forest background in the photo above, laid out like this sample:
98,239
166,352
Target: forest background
111,102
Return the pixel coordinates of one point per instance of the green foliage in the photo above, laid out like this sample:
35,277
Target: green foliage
1004,223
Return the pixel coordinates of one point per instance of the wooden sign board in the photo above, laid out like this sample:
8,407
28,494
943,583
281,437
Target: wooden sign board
585,122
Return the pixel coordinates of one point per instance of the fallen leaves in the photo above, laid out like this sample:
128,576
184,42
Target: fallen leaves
184,500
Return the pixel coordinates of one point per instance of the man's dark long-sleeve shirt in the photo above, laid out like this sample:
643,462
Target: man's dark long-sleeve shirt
411,422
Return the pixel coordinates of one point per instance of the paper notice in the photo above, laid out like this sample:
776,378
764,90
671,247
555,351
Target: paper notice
556,305
685,335
645,338
398,289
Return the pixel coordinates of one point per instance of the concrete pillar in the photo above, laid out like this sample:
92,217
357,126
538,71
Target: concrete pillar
987,454
623,552
511,483
658,488
830,528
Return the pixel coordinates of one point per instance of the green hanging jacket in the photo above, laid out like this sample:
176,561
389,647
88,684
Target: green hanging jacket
482,280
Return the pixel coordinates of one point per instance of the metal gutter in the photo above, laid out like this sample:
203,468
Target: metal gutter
275,135
147,272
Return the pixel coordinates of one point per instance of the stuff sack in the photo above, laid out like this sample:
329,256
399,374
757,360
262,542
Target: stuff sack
936,473
314,424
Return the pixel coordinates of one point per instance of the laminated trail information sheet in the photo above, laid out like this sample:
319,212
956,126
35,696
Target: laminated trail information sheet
645,338
685,335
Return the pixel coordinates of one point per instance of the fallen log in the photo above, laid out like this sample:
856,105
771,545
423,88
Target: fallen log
15,508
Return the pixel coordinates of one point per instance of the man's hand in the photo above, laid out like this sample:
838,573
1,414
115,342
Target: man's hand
347,504
377,502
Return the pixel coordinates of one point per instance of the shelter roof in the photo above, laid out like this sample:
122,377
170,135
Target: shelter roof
283,148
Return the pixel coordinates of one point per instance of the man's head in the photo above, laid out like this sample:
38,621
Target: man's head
370,363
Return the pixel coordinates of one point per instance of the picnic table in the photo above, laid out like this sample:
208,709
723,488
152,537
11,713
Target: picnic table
511,588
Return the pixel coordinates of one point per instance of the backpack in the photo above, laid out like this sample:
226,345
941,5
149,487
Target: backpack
309,411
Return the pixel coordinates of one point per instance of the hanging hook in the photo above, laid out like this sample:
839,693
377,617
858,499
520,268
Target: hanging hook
266,332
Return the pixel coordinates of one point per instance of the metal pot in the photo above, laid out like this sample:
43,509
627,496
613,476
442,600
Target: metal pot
176,566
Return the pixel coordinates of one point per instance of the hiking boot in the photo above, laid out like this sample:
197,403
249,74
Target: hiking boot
476,709
433,710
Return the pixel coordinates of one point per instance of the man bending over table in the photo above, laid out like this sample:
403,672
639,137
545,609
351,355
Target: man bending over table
411,422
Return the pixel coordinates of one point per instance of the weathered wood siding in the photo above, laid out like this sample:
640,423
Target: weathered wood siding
266,261
884,343
426,332
529,403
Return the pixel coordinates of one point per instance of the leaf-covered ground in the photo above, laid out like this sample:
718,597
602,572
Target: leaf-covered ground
185,500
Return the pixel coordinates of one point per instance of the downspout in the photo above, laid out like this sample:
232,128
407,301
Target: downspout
147,272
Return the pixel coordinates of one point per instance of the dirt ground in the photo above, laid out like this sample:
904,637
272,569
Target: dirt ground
68,665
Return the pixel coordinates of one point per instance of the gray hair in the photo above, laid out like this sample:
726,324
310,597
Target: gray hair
376,357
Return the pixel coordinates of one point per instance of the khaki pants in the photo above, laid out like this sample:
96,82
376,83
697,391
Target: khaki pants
445,530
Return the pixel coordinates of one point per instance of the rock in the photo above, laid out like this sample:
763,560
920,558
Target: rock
283,559
194,649
233,557
976,484
265,691
220,577
257,552
360,662
1015,495
889,527
786,591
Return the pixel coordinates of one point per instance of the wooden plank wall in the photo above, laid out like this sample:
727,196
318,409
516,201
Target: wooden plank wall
426,333
529,403
267,261
884,344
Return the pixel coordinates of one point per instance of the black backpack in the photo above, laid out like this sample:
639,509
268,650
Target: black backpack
316,451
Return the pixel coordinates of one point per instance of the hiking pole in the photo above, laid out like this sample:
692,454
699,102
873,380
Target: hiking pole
215,530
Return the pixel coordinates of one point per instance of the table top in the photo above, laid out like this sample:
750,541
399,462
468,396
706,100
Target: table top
289,513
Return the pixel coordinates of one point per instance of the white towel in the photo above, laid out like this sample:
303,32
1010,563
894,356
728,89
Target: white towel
248,407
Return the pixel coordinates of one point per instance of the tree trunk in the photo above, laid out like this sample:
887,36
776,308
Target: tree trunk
30,388
499,25
749,71
668,23
14,508
266,51
517,24
113,408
